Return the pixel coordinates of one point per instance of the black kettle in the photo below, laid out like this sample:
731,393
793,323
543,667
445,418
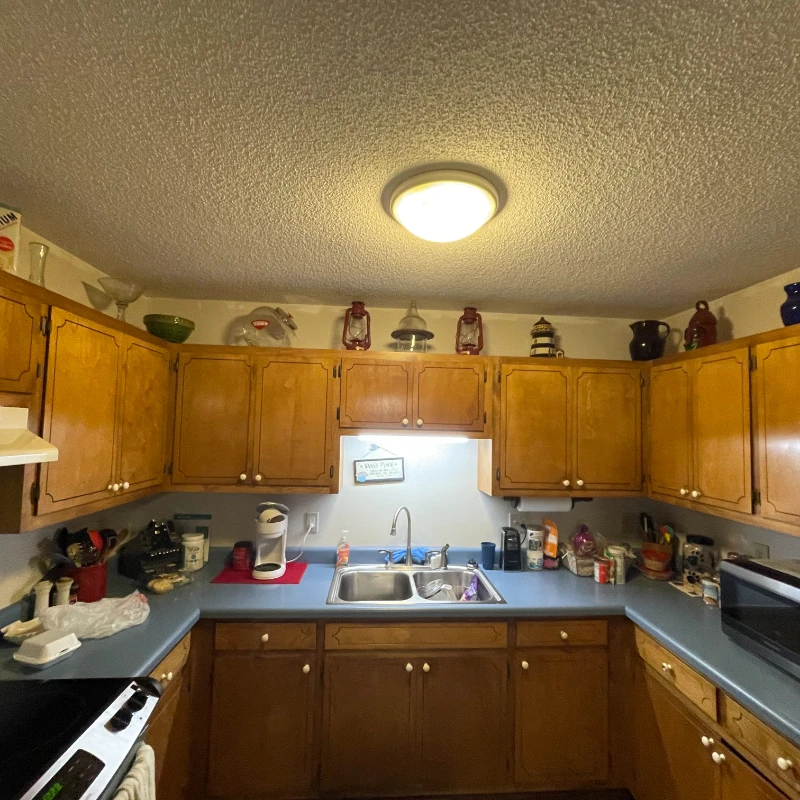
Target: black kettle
648,341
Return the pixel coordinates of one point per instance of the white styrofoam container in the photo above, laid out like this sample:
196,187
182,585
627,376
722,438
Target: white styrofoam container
46,648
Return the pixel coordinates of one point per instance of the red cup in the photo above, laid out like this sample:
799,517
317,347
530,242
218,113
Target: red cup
91,582
242,556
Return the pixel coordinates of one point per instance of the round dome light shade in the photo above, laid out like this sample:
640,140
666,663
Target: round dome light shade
444,205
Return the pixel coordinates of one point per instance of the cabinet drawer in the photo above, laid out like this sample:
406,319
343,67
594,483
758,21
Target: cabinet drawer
171,665
564,633
781,758
687,681
433,635
265,636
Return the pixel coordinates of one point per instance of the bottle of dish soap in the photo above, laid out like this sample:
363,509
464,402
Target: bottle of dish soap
343,552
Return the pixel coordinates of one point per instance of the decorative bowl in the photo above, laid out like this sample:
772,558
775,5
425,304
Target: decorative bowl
169,328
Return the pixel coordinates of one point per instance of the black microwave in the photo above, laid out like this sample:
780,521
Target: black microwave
760,603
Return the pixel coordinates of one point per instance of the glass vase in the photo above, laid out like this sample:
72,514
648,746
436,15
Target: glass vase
38,254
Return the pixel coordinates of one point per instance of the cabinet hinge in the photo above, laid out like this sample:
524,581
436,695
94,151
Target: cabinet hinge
756,497
753,363
499,377
168,469
45,326
337,412
497,473
331,471
484,417
643,381
485,375
38,370
35,492
174,365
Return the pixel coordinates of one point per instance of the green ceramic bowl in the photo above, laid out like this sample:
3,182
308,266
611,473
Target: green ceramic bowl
171,329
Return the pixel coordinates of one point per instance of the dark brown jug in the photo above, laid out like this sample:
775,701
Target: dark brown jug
702,330
648,341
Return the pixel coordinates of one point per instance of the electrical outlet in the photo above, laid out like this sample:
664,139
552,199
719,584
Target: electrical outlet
759,550
312,521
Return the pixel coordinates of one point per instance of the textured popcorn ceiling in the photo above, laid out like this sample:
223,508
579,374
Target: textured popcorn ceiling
238,149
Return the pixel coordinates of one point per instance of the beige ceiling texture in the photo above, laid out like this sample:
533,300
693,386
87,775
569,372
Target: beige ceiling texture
238,149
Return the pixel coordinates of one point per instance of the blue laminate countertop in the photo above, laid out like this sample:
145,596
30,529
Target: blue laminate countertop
685,625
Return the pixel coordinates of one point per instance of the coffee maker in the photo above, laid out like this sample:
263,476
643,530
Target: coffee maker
270,546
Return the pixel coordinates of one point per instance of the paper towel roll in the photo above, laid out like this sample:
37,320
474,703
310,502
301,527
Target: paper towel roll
544,504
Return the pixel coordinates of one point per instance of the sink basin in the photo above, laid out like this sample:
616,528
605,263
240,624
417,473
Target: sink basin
375,584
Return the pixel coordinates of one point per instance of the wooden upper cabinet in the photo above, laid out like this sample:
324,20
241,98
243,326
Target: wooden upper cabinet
671,429
450,397
21,340
294,421
376,393
778,429
213,419
146,406
535,426
721,431
608,428
83,386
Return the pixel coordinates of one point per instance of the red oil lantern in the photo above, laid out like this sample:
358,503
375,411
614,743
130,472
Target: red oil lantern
469,333
356,334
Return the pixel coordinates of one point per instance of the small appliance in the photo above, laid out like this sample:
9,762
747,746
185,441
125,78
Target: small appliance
154,551
72,739
699,559
511,555
272,522
760,603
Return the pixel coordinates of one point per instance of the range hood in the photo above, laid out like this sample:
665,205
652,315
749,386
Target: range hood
17,444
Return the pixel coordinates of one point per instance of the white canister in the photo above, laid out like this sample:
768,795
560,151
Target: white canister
193,546
619,556
535,547
63,586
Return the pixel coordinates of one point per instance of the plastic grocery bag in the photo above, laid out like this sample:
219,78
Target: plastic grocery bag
99,619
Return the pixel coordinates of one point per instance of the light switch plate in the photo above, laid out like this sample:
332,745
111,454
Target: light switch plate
759,550
312,521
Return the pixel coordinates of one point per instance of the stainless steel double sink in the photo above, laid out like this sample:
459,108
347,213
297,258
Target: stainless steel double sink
377,584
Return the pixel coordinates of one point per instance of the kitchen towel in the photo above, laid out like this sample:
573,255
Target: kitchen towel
294,573
140,782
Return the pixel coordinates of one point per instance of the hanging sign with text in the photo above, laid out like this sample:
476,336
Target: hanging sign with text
379,470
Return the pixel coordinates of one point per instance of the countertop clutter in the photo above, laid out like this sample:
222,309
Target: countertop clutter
683,624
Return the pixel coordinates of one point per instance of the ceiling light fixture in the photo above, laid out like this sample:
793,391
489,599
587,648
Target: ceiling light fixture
444,205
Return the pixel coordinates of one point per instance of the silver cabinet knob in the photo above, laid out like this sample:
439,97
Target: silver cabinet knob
243,476
707,741
696,494
566,482
409,667
404,422
126,485
306,669
525,665
684,491
426,667
419,423
579,482
564,636
265,637
719,758
258,478
784,764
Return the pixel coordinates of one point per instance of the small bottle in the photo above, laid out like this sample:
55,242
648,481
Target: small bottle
42,590
63,588
343,552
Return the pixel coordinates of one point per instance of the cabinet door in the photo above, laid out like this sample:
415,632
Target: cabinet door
376,393
670,760
262,725
146,396
535,427
21,340
608,429
82,398
450,397
464,744
294,419
367,744
562,716
212,425
169,734
671,430
721,431
777,379
739,781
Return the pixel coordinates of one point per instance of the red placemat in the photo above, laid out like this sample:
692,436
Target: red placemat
294,574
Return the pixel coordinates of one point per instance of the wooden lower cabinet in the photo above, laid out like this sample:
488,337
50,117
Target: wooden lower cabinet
561,717
739,781
262,725
169,734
